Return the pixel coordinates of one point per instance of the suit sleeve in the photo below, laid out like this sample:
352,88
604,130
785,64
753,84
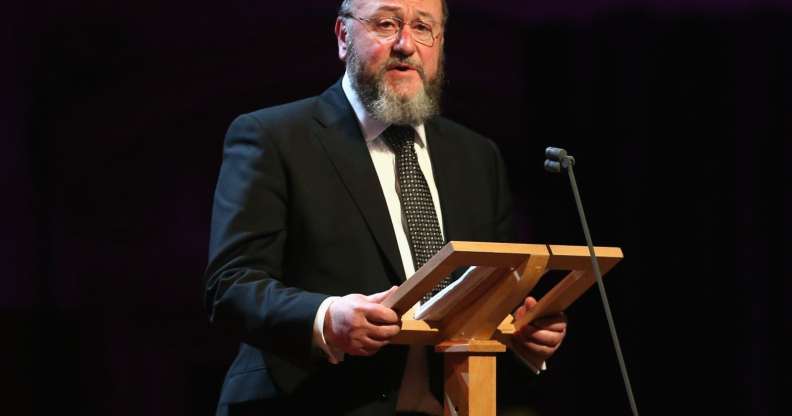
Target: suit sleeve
244,286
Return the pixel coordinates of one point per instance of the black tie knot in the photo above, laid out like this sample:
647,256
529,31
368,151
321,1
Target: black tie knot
399,136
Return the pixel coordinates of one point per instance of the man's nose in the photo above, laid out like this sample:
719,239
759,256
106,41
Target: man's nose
404,42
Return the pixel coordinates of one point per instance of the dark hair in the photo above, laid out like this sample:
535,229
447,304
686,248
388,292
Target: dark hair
345,9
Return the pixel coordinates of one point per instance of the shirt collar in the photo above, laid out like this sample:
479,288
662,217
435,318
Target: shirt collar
370,126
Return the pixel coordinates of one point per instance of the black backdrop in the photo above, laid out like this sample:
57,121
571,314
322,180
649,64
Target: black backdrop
679,116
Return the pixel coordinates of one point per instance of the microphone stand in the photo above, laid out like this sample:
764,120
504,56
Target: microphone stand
557,159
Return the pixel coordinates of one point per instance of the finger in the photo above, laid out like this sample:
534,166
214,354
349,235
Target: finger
529,302
526,330
527,305
381,296
556,327
546,338
372,344
556,323
362,352
361,342
369,351
538,349
519,312
383,332
366,346
378,314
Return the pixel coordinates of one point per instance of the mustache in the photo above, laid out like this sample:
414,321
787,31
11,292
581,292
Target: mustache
393,62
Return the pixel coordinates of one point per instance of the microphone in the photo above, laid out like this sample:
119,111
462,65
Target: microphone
557,160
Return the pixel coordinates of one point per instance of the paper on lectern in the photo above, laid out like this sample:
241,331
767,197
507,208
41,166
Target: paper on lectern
438,305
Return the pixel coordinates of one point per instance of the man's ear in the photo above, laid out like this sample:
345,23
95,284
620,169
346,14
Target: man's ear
341,35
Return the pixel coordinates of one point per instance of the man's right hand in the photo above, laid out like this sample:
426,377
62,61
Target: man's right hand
360,325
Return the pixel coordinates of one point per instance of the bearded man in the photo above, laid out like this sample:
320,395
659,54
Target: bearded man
324,205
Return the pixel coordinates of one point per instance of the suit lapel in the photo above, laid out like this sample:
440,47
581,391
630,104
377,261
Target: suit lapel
340,136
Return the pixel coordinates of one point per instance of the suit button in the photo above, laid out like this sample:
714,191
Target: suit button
383,396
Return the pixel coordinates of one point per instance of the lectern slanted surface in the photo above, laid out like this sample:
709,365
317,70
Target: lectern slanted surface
517,268
479,325
484,313
456,254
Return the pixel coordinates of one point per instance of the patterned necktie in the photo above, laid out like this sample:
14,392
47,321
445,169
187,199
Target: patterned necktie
423,229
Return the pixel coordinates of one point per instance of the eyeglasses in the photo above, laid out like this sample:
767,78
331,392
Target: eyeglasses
387,28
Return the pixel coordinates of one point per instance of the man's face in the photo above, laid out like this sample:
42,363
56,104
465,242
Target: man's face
398,70
404,63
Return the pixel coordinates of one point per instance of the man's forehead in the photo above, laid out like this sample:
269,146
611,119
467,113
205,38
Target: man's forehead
422,8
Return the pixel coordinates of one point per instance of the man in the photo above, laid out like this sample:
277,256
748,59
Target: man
325,204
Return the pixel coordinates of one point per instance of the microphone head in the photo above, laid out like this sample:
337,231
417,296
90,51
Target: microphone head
552,166
556,154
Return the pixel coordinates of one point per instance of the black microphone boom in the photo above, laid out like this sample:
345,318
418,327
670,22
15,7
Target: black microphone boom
557,159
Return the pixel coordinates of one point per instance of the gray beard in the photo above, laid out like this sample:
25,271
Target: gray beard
384,104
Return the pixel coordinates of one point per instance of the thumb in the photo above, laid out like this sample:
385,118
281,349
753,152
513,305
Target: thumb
381,296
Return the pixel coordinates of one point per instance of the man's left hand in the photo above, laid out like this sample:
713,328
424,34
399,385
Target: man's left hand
539,340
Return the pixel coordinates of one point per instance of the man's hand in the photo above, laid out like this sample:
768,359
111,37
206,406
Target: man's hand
540,339
359,325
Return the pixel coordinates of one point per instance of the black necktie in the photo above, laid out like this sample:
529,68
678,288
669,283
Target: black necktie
423,229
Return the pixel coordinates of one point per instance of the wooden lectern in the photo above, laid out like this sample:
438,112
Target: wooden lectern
480,324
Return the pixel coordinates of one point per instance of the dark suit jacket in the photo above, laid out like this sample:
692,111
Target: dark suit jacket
299,215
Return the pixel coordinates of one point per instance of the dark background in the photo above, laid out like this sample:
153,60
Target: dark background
679,114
